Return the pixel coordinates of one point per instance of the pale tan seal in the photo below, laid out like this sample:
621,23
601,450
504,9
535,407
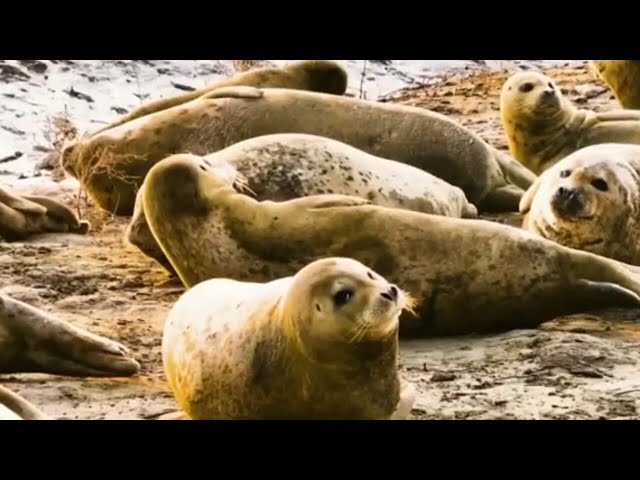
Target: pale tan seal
590,200
467,275
623,79
320,345
34,341
15,407
25,215
315,75
543,126
113,164
291,165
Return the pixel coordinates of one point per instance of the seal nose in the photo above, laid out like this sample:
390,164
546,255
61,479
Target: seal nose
568,200
391,295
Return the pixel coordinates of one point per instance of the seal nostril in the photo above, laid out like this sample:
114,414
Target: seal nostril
391,295
562,191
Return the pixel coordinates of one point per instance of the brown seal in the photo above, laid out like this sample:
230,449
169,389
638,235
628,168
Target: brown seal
15,407
467,275
623,79
590,200
34,341
320,345
25,215
543,126
113,164
292,165
316,75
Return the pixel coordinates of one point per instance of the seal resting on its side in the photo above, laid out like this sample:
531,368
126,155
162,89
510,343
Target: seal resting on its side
590,200
112,165
292,165
543,126
33,341
25,215
467,275
320,345
314,75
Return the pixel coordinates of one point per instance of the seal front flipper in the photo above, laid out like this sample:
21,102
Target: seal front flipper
618,115
19,203
503,199
513,171
407,399
20,407
327,201
61,212
240,91
34,341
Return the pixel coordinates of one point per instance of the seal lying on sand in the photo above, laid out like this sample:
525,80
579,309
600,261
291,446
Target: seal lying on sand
14,407
113,164
314,75
543,126
33,341
590,200
320,345
622,77
286,166
25,215
468,275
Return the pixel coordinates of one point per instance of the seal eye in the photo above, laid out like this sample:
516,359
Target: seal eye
600,184
526,87
565,173
341,297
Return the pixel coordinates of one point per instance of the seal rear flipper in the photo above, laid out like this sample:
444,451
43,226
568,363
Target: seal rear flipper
20,406
239,91
22,204
503,199
58,211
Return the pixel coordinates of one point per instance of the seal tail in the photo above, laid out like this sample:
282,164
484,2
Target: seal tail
514,171
21,407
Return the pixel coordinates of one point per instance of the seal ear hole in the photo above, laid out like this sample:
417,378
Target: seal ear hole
565,173
550,85
526,87
370,275
600,184
202,167
318,307
342,296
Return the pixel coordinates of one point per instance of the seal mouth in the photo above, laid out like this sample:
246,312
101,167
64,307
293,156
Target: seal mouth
570,203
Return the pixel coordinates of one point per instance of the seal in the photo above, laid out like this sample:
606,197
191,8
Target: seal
623,79
468,275
34,341
112,165
590,200
15,407
285,166
543,126
25,215
319,345
315,75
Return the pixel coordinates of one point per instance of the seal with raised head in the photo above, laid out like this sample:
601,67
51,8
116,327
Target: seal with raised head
315,75
34,341
15,407
623,79
25,215
113,164
543,126
319,345
292,165
467,275
590,200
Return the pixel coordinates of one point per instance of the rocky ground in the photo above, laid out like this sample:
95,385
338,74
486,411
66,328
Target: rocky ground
583,367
